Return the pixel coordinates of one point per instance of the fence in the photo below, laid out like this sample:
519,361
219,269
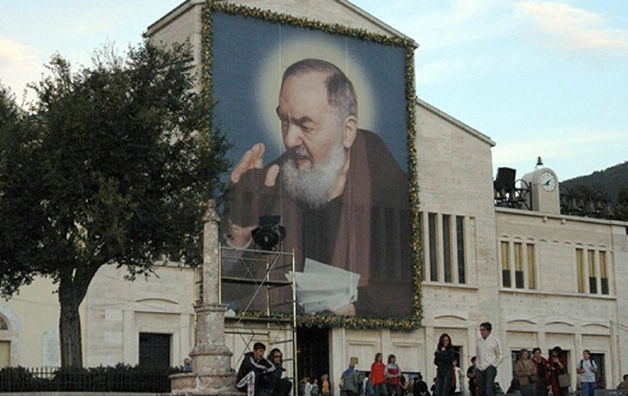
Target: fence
119,378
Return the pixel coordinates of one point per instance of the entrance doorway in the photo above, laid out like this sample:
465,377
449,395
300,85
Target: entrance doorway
313,352
155,350
5,353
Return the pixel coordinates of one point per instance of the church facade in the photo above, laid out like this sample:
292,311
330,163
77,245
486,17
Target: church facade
542,279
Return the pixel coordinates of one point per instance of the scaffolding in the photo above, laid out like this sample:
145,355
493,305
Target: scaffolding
258,286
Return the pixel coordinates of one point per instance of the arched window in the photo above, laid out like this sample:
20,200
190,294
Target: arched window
4,323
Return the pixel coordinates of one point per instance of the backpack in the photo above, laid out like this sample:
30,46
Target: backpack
582,363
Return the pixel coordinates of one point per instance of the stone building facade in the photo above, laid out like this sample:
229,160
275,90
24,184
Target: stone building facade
543,279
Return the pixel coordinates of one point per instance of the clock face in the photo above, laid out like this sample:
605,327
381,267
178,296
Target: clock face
548,181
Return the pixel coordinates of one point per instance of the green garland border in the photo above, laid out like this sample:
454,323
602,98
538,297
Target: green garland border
348,322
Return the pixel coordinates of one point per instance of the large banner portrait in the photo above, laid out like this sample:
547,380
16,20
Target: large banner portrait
320,128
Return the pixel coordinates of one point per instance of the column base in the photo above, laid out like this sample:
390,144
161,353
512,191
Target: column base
204,384
211,373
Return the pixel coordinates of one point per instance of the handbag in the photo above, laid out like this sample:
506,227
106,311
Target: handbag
563,380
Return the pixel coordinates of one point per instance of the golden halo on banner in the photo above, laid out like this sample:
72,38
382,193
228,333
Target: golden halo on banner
289,52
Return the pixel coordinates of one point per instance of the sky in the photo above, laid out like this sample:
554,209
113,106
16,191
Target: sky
539,77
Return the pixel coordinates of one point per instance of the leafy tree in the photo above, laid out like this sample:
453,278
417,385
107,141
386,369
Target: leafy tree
112,164
622,202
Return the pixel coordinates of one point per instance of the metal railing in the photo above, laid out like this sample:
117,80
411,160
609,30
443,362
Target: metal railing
118,378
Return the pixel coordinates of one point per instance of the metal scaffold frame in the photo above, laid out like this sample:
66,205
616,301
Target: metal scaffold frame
269,277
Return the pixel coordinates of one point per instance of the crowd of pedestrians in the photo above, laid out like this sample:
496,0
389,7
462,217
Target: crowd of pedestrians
533,374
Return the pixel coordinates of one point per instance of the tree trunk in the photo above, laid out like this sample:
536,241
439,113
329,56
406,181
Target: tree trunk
70,324
73,284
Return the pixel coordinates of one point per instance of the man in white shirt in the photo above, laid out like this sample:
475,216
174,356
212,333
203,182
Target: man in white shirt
489,355
587,370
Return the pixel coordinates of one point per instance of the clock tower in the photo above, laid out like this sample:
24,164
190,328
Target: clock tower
544,195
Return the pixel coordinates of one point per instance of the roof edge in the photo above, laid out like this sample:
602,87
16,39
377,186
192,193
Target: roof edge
579,219
171,15
376,21
187,4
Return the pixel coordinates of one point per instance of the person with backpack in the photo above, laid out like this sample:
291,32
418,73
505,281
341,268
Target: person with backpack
349,383
587,370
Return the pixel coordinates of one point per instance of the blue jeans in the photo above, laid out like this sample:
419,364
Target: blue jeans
380,389
588,388
486,381
528,390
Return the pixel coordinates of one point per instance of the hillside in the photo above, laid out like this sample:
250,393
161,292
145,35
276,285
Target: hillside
608,180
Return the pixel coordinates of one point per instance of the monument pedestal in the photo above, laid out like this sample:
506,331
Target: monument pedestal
211,358
211,362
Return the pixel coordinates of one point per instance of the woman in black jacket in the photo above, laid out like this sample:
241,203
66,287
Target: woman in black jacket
443,359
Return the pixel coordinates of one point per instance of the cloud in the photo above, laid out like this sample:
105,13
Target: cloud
13,53
443,24
579,144
570,152
18,65
570,27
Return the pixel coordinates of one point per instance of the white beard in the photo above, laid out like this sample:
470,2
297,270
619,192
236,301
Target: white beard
313,185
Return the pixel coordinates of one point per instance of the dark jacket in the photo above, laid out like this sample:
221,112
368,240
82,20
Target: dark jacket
444,360
264,372
420,388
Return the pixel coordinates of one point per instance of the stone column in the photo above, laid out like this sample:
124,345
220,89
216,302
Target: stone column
211,358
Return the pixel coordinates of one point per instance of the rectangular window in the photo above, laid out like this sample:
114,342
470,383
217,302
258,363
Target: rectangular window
580,269
506,264
461,251
592,272
519,265
604,273
198,284
531,267
431,220
421,250
447,247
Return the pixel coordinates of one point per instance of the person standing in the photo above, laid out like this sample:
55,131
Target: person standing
325,386
525,371
314,389
587,370
489,355
541,372
444,360
405,384
392,374
376,376
471,375
557,366
349,384
458,383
